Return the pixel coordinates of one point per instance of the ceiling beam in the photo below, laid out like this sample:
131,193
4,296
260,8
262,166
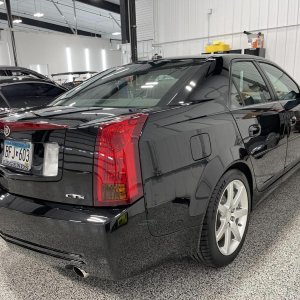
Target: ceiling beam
103,4
63,16
49,26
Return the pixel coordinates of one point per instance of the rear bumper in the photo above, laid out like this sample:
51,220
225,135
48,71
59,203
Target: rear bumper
108,243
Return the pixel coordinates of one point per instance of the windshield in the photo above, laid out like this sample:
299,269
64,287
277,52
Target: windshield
136,85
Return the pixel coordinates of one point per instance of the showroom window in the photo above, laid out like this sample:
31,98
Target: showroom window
285,88
250,84
30,94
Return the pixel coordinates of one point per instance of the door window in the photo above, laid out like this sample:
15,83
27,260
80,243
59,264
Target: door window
285,88
236,100
3,105
251,86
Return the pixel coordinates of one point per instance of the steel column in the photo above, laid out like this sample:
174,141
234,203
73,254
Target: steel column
133,34
124,22
11,27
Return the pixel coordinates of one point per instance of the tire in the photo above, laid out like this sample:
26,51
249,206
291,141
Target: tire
217,249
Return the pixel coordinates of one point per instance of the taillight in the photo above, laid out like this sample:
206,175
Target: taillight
15,126
117,176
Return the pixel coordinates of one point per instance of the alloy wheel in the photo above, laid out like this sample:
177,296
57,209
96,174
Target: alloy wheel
231,218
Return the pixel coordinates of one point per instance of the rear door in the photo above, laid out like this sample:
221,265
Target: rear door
260,121
287,93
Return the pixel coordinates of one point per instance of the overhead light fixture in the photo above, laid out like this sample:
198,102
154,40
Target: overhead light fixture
38,15
147,86
116,33
1,2
17,21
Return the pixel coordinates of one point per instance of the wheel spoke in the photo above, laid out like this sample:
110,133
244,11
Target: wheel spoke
221,230
240,213
227,241
222,210
237,199
229,194
236,232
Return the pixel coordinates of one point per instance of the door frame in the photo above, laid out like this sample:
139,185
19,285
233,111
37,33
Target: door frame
256,61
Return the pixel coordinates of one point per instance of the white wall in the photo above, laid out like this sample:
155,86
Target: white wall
183,27
4,53
5,58
83,54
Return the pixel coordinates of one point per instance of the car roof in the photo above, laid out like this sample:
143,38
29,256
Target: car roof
17,79
227,56
14,68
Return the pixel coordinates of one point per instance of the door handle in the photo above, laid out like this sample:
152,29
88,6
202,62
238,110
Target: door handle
254,130
293,121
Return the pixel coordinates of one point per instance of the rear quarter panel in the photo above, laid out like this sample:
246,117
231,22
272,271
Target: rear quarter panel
177,185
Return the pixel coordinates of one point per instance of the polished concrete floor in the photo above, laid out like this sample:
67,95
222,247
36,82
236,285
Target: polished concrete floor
267,268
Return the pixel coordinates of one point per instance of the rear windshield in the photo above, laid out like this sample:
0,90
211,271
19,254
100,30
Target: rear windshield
136,85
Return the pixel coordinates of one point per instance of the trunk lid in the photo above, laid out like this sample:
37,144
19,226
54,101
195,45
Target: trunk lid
74,130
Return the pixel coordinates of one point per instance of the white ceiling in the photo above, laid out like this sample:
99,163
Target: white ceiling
89,18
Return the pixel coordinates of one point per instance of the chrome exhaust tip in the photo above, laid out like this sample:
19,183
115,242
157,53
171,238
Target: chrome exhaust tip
80,272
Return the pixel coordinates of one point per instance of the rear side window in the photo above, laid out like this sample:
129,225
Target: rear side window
24,95
19,73
284,87
236,100
250,84
3,104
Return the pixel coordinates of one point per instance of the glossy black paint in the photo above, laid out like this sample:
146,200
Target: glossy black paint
187,144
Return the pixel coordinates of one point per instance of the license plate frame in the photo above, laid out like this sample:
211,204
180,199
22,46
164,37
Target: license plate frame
17,154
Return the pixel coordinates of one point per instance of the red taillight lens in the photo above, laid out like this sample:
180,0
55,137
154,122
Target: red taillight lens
27,126
117,163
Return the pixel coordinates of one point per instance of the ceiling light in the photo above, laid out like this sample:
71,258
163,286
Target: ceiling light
147,86
38,15
1,2
116,33
17,21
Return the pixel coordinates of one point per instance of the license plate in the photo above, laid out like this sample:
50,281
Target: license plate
17,154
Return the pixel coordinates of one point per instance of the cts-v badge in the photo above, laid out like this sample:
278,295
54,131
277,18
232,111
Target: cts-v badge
74,196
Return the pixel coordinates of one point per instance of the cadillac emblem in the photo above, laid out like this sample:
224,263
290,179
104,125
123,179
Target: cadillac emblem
6,130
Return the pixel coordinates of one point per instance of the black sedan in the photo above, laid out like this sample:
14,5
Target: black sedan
22,92
149,161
